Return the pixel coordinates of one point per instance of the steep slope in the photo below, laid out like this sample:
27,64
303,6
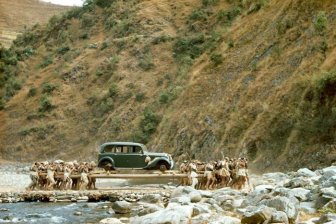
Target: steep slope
198,79
16,15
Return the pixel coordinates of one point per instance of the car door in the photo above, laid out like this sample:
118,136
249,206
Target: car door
136,157
120,157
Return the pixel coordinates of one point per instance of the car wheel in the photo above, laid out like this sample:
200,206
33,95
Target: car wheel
107,166
163,166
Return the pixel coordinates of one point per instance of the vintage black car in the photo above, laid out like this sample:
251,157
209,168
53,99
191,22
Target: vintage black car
114,155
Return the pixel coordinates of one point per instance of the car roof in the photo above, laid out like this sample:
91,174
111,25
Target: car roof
124,143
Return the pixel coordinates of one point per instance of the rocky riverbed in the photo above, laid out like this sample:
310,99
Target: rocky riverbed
304,196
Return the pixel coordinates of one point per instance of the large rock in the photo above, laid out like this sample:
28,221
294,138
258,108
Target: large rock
307,207
122,207
330,182
176,215
305,172
300,193
263,189
257,215
299,182
152,198
146,208
201,208
276,178
224,220
183,200
330,217
195,196
289,206
279,217
110,221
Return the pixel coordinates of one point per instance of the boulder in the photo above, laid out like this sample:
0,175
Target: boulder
307,207
225,220
110,221
305,172
299,182
330,182
176,215
330,217
300,193
331,205
183,200
257,215
284,204
201,208
152,198
121,207
205,194
146,208
279,217
201,219
263,189
195,196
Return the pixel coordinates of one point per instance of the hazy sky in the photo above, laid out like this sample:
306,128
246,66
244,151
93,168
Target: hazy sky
66,2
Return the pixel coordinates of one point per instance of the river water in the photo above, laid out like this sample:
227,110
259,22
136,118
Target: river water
14,179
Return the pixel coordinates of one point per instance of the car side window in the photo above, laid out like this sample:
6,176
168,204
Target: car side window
137,150
108,148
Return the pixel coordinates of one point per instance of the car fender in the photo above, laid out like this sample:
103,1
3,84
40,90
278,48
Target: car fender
155,161
106,159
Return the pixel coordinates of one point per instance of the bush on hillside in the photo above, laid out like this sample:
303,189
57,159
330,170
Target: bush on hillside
2,104
216,58
46,61
113,90
32,92
45,104
320,22
189,46
11,87
48,88
139,97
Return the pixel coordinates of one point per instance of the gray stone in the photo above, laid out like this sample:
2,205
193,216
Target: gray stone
195,196
121,207
183,200
176,215
110,221
205,194
224,220
299,182
300,193
257,215
330,217
289,206
152,198
201,208
330,182
146,208
201,219
78,213
263,189
307,207
305,172
177,192
330,191
279,217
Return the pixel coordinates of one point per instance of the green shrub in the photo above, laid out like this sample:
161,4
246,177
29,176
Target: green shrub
104,45
149,121
139,97
164,97
2,104
11,87
113,90
146,62
48,88
189,46
161,39
198,15
227,16
62,50
209,2
46,61
216,58
87,21
32,92
321,22
45,104
322,81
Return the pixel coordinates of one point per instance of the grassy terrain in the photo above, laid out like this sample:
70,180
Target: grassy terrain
198,79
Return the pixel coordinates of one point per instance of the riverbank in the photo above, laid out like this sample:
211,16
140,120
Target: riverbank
305,196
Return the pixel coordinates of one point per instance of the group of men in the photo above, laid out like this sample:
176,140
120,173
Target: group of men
62,175
228,172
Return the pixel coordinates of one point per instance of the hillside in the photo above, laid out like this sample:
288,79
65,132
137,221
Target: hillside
198,79
16,15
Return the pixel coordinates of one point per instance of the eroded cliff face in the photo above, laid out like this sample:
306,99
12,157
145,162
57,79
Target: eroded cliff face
198,79
16,15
